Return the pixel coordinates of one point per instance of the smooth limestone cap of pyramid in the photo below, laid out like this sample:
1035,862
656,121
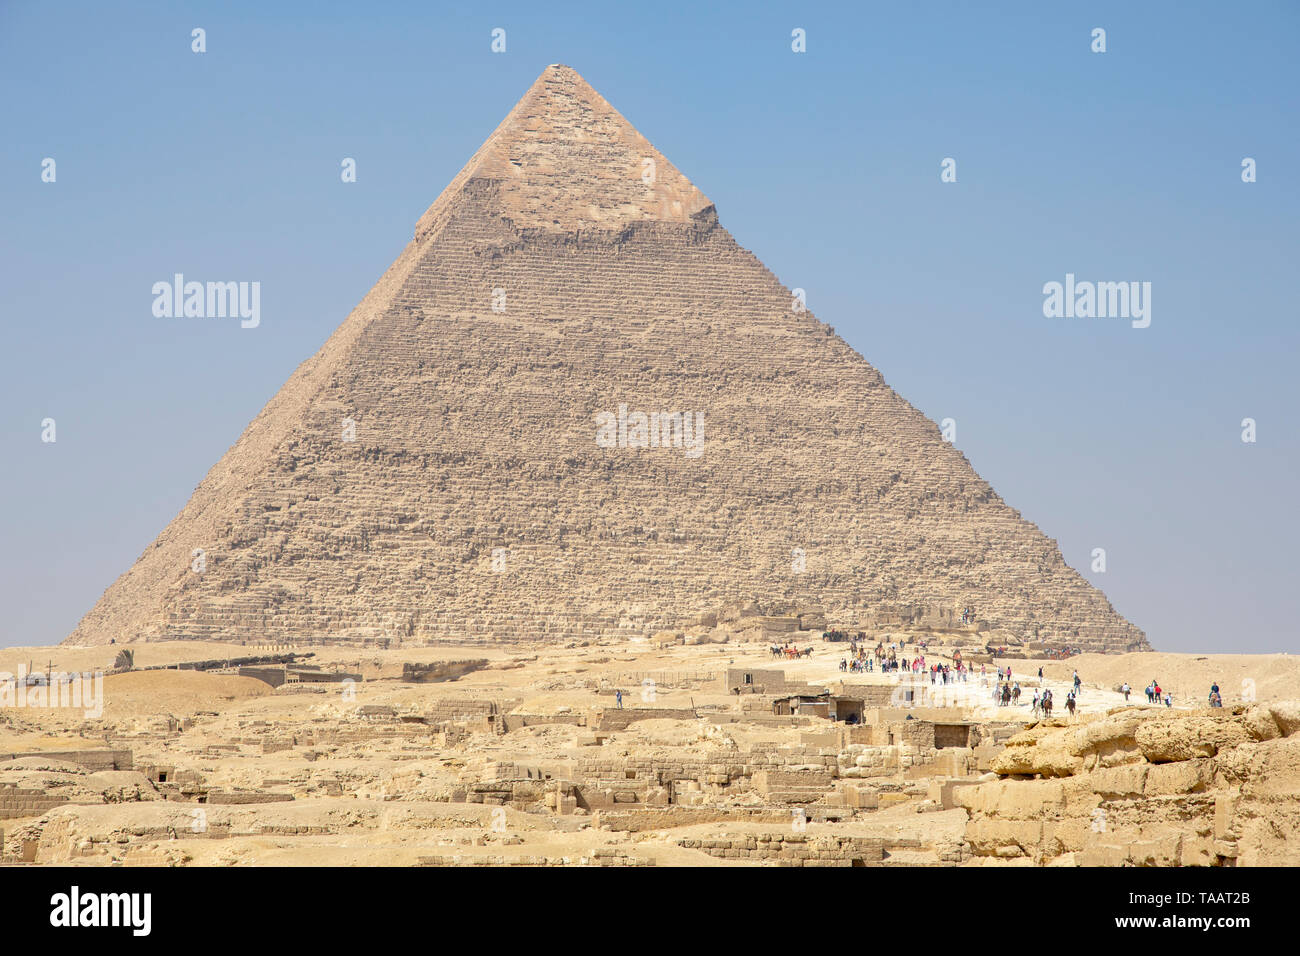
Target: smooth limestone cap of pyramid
565,160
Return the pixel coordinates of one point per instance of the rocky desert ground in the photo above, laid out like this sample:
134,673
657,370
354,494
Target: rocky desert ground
718,754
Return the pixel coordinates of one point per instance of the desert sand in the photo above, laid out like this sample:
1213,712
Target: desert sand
528,759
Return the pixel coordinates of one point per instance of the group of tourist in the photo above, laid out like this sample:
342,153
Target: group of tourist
860,663
1006,689
1158,695
1061,653
1155,695
1043,704
918,666
1004,675
947,674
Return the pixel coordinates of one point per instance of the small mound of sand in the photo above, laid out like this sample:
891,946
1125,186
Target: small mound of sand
117,779
543,732
48,764
166,692
1187,676
24,741
664,732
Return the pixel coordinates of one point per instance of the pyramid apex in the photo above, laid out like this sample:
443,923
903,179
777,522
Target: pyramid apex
562,69
564,159
558,73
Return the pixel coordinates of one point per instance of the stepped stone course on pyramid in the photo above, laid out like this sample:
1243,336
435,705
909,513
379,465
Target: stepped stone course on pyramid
569,269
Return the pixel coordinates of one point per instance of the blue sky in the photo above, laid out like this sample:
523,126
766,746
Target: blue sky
1117,166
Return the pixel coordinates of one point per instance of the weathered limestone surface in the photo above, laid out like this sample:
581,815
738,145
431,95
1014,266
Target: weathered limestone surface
475,430
1181,789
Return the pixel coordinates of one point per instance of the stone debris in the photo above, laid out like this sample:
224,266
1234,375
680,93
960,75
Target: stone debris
491,769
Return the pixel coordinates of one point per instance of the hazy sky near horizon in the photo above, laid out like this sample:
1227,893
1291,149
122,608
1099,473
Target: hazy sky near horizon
1116,166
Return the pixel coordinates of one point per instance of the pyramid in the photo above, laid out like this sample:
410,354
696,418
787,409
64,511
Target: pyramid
497,481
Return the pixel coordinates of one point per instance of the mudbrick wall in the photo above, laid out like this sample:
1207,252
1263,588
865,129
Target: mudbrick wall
94,759
26,802
794,849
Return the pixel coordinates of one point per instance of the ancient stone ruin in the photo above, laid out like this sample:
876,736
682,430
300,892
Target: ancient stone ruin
632,754
576,408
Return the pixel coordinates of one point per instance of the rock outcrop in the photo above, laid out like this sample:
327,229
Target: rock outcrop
1209,788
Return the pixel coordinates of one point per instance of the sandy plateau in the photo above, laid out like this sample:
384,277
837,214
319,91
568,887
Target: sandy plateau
718,755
